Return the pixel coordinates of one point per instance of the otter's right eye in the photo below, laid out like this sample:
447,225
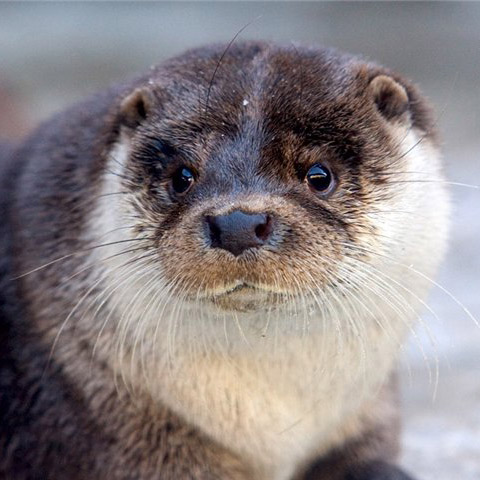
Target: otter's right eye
182,180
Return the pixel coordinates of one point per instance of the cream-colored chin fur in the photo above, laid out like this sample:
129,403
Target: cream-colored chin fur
273,389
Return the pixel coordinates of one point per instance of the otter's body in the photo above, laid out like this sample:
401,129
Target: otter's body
207,273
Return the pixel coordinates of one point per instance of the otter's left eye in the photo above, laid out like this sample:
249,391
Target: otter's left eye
182,180
319,178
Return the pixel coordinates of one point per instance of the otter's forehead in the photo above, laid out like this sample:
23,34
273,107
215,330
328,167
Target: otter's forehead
309,92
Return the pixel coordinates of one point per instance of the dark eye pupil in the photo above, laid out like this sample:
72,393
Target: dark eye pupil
319,177
182,180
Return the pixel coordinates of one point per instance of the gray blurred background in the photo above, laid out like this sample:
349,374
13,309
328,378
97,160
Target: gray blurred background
52,54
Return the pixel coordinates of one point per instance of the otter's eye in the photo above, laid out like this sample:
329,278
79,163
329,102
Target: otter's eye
319,178
183,180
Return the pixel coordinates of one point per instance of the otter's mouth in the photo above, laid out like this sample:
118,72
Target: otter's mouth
242,287
246,297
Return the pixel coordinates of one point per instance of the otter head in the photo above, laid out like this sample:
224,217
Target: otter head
264,180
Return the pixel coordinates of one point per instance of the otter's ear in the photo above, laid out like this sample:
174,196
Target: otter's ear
390,97
136,107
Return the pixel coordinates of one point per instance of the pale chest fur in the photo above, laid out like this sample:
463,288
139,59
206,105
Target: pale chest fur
279,406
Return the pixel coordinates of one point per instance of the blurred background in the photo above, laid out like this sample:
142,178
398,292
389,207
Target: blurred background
52,54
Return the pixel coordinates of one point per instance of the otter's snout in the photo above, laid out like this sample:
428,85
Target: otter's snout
239,231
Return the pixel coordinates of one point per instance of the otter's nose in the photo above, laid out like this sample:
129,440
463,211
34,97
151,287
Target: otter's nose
238,231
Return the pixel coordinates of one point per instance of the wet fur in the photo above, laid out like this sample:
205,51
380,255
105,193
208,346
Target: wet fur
122,361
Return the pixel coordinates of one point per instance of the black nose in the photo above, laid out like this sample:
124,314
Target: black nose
238,231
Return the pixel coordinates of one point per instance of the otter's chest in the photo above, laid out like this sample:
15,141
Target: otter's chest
280,407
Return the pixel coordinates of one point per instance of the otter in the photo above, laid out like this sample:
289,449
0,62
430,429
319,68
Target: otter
207,272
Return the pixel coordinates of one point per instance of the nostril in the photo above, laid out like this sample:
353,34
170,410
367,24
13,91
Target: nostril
264,230
214,231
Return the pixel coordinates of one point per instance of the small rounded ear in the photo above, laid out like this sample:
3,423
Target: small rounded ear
136,107
389,96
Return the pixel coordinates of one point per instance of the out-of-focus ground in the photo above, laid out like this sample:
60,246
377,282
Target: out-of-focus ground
52,54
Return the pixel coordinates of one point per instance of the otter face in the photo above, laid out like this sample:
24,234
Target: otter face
284,178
